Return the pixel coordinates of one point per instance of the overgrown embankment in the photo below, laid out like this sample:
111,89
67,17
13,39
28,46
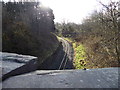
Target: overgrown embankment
90,53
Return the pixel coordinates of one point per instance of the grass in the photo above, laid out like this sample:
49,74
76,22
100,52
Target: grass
79,56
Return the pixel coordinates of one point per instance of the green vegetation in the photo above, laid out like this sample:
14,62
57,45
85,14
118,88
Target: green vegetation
80,56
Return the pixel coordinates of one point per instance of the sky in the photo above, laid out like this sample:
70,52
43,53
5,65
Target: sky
72,10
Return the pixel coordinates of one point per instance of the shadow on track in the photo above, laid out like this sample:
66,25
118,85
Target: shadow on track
51,63
54,61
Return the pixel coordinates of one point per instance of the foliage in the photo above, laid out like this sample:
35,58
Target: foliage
27,28
80,56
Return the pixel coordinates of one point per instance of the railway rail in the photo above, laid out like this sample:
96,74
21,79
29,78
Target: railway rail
66,55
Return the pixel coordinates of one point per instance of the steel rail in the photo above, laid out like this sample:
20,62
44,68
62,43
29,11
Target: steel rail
64,57
67,52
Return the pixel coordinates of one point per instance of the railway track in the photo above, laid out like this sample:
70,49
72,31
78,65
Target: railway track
61,59
66,55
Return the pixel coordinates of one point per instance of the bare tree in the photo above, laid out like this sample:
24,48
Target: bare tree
111,14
